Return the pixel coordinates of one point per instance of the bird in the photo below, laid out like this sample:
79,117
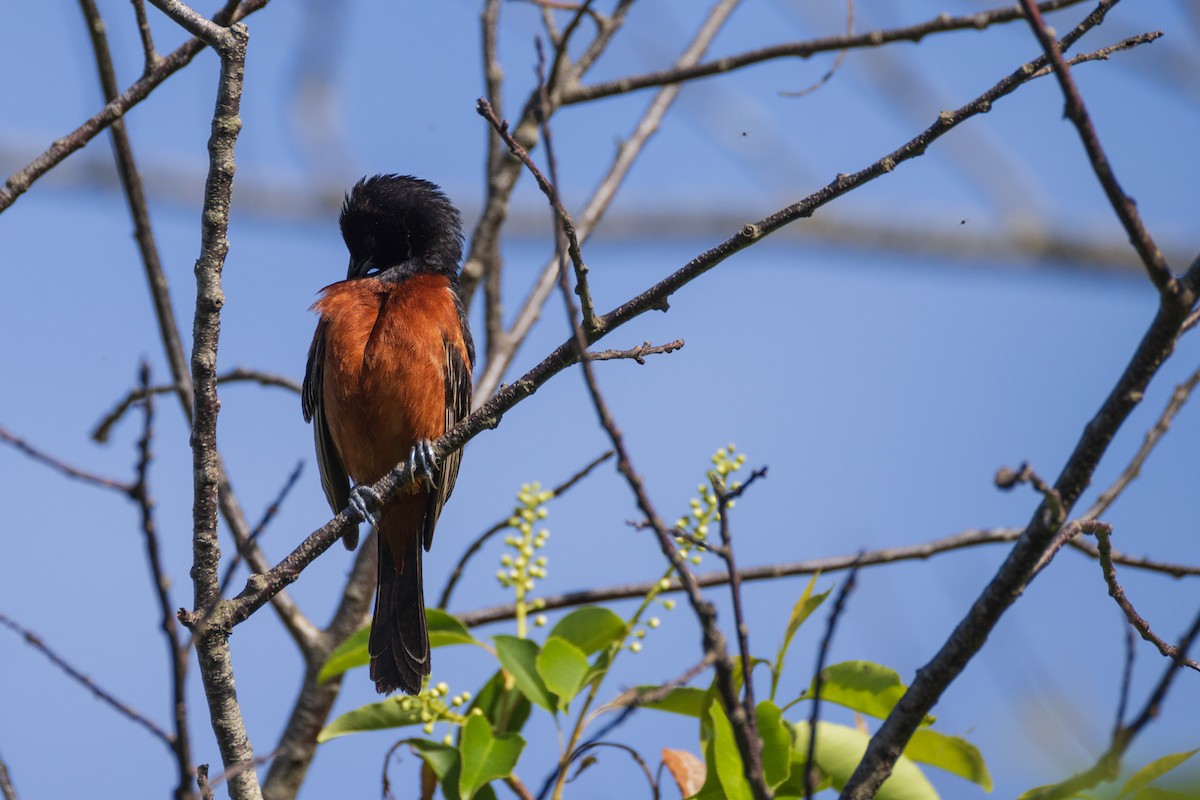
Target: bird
388,371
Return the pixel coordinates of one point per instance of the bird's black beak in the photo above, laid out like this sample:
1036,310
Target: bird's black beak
359,269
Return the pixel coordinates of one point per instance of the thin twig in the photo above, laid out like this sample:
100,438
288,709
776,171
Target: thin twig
177,655
122,708
135,198
735,590
19,182
1019,567
638,353
239,374
839,606
870,558
268,514
744,725
914,33
1153,436
501,524
1126,678
837,62
63,467
1103,534
152,58
634,754
627,153
1152,258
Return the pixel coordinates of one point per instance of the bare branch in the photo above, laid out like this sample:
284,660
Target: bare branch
1126,210
638,353
724,498
153,59
870,558
61,466
135,197
1103,534
177,654
212,642
1178,398
19,182
239,374
943,23
814,715
124,709
212,34
624,159
1022,562
568,224
744,724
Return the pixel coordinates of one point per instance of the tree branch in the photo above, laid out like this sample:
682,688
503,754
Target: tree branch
1156,266
177,653
943,23
1103,536
212,642
19,182
123,709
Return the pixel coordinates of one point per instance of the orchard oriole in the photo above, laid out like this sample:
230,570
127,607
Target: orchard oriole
390,369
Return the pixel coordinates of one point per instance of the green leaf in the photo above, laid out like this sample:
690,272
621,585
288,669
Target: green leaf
563,668
443,760
389,713
686,700
485,756
776,743
1154,770
590,628
724,755
504,706
348,655
519,657
446,629
839,749
804,607
866,687
954,755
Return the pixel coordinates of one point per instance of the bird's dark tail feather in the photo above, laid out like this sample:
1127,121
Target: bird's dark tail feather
399,643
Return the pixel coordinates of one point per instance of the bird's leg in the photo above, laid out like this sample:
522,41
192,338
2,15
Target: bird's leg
421,462
362,500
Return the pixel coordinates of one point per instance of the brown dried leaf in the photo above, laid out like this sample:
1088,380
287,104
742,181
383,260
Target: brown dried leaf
687,770
429,782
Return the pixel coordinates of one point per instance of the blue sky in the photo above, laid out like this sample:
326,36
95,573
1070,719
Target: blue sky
883,389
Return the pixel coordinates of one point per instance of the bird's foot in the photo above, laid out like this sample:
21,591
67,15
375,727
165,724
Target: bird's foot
421,462
362,500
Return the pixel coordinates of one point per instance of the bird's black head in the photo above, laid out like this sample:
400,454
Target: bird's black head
397,225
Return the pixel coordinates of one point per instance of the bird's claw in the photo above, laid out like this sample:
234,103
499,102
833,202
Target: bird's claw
421,462
362,499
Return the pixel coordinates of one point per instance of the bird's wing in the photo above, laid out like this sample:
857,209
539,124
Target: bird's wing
458,406
333,474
